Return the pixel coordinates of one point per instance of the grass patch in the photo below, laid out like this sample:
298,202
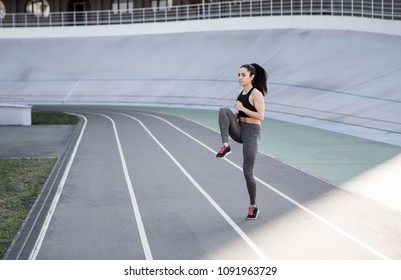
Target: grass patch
21,180
45,117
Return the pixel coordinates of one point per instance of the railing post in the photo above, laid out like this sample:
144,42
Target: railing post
321,7
362,9
302,7
291,7
203,9
352,7
271,7
392,9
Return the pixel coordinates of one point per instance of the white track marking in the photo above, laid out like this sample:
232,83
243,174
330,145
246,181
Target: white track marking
39,240
40,210
141,228
299,205
250,243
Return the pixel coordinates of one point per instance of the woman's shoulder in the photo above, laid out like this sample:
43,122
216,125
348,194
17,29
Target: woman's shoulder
255,92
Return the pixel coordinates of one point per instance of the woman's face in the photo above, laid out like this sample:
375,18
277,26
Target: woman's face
244,76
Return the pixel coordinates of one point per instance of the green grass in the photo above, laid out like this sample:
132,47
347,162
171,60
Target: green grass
45,117
21,181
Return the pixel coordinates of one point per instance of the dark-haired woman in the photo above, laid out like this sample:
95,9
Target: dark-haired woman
244,126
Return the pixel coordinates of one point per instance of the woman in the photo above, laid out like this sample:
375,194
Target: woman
244,127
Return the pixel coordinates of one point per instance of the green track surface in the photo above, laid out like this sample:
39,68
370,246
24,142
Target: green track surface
332,156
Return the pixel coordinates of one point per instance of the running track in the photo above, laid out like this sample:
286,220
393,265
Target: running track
139,185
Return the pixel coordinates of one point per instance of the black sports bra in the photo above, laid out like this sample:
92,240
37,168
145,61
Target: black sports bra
244,99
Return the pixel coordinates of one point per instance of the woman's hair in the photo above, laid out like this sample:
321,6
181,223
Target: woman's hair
260,79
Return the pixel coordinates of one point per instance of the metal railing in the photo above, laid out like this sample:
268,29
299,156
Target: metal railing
379,9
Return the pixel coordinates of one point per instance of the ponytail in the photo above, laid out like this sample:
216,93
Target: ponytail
260,76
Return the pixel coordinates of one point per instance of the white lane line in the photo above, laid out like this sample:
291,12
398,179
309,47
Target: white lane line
204,193
320,218
39,240
141,228
41,207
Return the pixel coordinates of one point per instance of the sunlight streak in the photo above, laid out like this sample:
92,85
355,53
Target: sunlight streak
381,183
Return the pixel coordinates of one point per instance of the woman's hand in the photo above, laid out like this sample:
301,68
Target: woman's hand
239,106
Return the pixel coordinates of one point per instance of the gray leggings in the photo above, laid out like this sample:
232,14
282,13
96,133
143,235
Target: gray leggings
249,136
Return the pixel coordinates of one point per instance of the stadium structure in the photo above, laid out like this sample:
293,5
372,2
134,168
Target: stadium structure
332,64
323,56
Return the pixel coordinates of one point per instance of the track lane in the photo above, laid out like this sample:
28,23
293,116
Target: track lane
392,223
282,231
134,202
182,202
94,217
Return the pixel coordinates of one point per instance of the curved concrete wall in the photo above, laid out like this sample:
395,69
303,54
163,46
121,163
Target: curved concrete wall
340,76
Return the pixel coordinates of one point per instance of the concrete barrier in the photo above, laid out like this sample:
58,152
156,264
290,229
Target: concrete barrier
329,77
14,114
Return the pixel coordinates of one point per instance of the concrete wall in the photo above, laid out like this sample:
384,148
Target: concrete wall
11,114
340,76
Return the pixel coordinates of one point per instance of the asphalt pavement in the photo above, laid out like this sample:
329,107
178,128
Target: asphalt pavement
133,184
